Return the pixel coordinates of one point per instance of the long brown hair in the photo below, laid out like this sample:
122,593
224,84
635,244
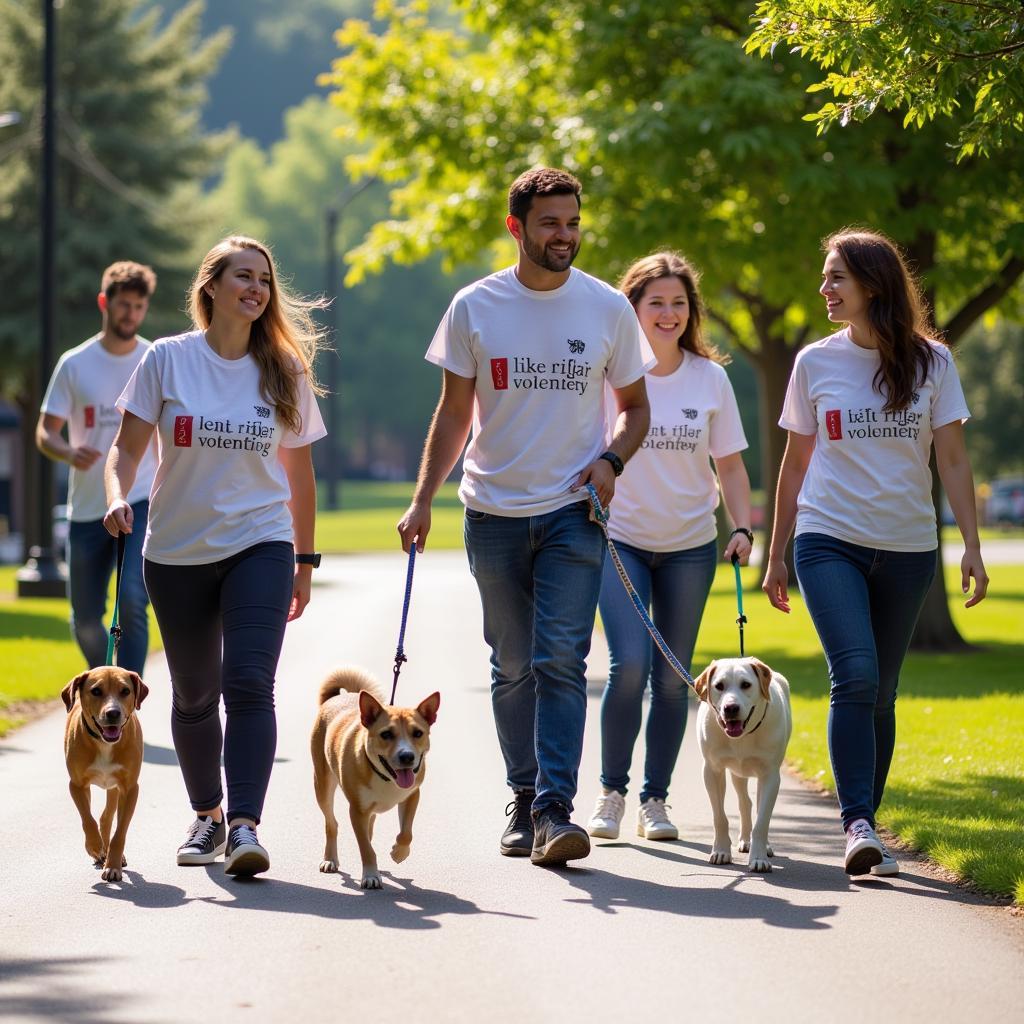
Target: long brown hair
283,341
897,314
666,263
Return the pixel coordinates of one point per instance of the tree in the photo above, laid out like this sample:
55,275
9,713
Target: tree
926,59
384,323
131,157
681,139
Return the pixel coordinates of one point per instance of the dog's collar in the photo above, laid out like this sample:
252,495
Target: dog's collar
379,773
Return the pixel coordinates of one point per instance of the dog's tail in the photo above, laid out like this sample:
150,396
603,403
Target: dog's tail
347,680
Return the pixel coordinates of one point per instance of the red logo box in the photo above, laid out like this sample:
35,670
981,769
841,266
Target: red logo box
499,374
182,431
90,416
834,424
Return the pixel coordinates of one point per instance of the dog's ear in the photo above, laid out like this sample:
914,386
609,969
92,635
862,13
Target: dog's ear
140,688
70,691
428,708
703,681
369,708
764,676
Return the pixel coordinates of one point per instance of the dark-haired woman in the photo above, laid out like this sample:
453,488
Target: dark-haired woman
228,553
863,408
663,525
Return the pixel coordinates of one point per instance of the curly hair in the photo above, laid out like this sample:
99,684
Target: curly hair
129,277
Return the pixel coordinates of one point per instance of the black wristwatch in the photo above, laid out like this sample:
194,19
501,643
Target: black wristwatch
617,466
746,533
313,560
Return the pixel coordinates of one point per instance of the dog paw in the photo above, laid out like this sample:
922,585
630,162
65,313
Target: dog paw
371,880
329,867
111,875
743,846
720,857
759,865
399,852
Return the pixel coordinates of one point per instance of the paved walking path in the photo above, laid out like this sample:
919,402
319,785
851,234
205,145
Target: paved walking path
640,930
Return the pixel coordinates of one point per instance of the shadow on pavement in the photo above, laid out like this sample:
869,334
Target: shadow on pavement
46,989
152,754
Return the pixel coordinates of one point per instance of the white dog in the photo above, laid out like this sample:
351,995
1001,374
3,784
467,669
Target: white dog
743,725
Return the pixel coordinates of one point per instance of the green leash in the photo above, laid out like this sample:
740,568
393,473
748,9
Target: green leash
114,641
739,599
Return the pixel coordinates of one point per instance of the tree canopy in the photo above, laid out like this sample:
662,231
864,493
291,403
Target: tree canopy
926,60
131,159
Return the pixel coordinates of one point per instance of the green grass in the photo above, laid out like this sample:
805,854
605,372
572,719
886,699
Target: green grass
956,787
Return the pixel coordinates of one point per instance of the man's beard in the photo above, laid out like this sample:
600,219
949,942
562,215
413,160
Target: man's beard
125,334
543,257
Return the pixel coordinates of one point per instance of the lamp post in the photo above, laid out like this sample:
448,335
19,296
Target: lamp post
41,576
333,289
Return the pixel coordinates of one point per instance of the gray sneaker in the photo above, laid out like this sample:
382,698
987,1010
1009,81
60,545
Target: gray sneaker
887,866
244,855
863,848
204,842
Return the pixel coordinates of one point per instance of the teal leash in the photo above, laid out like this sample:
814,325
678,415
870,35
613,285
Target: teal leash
114,640
739,599
601,516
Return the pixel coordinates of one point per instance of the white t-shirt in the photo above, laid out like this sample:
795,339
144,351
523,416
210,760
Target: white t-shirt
868,481
219,487
540,360
666,498
82,391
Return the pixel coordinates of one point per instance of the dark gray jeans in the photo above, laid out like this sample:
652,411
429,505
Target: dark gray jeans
223,625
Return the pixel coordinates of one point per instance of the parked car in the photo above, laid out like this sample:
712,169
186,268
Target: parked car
1006,502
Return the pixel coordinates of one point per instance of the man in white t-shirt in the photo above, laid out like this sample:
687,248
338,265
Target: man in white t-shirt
526,353
85,385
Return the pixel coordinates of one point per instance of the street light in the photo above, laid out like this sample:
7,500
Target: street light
332,225
41,576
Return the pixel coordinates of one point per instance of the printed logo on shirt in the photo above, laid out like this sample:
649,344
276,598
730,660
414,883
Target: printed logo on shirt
834,424
90,416
499,374
262,411
576,346
182,431
690,414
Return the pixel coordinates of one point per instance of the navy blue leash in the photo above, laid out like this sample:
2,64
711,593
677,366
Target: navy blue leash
602,520
114,641
400,651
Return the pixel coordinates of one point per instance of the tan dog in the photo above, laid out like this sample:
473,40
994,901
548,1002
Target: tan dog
103,747
375,752
743,724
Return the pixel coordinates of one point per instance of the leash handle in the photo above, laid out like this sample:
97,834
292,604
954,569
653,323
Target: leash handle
739,598
114,641
400,657
601,515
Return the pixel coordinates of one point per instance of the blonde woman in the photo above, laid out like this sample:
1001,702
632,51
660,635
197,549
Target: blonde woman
228,553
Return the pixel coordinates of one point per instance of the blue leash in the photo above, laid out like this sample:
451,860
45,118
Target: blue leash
114,641
400,650
601,515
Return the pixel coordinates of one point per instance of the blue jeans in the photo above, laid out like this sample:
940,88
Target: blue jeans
92,557
674,585
539,577
864,604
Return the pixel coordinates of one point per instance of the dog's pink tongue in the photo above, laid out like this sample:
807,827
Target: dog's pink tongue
734,728
404,777
112,733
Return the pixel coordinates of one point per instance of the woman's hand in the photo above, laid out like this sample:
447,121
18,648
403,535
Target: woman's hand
302,588
740,546
119,518
776,583
971,565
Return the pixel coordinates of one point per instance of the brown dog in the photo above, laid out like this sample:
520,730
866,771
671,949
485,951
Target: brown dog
103,747
375,752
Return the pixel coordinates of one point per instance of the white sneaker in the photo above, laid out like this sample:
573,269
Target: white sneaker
864,850
888,865
652,821
607,817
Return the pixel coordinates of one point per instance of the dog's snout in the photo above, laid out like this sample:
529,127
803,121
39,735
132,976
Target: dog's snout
731,711
111,713
406,758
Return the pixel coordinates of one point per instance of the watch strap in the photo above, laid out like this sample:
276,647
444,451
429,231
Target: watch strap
311,559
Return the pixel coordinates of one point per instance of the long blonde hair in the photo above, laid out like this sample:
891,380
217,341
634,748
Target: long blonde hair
283,341
666,263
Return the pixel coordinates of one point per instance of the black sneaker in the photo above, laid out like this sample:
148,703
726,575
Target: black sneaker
244,854
555,838
204,843
517,839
